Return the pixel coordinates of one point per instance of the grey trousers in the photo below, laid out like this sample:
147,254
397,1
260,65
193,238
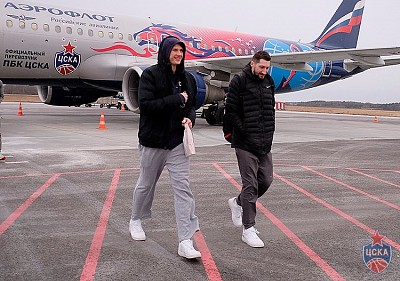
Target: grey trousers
257,175
152,163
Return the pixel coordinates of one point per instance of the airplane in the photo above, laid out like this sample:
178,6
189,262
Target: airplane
76,56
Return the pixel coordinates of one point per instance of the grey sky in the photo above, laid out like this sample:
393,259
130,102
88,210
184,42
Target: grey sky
285,19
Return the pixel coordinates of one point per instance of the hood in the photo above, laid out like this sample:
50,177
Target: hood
165,49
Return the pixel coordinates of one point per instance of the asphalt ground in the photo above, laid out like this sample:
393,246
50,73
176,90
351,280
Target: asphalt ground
66,191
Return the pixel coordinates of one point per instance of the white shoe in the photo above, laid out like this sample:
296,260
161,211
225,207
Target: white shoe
251,238
136,230
186,250
236,212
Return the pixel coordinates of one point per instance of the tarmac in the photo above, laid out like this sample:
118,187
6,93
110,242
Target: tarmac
66,194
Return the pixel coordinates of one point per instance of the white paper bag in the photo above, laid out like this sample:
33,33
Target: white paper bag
188,142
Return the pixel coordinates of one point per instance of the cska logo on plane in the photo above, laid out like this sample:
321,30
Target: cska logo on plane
67,61
377,254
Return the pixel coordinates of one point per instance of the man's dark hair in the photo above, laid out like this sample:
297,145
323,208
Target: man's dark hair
261,55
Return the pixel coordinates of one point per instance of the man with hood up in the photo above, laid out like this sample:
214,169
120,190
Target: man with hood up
167,102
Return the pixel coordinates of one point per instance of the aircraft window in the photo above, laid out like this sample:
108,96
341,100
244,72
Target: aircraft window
152,40
69,30
227,49
205,46
191,44
79,31
120,36
34,26
130,38
9,23
240,51
138,38
101,34
233,50
213,47
110,35
90,32
198,45
220,48
58,28
252,52
246,51
46,27
22,24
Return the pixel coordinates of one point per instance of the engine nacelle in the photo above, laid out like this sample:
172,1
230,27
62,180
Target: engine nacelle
206,93
64,96
130,86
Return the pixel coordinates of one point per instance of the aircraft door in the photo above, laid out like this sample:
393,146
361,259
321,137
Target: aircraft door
327,69
152,42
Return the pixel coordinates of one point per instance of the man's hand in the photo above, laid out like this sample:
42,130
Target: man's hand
187,121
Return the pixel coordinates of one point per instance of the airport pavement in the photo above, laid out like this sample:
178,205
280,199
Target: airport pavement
66,188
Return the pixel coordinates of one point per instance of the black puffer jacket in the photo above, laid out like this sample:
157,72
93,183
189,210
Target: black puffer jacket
251,113
162,109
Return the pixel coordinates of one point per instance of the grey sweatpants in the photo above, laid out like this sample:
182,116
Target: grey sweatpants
152,163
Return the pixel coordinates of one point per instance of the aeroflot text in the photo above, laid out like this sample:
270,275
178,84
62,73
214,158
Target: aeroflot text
58,12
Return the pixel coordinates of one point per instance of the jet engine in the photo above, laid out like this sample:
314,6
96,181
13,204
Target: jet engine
206,92
65,96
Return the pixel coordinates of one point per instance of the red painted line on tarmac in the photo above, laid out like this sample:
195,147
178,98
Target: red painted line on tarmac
336,210
333,274
69,173
208,261
92,258
353,188
21,209
372,177
25,176
376,170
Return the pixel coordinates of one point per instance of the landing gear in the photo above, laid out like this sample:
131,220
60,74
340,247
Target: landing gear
214,114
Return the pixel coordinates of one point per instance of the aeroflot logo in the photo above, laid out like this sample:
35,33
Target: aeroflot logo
58,12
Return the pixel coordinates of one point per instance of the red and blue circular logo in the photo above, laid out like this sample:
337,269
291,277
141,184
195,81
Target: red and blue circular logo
67,61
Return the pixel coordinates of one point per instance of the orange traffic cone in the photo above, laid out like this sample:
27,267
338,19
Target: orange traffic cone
102,125
376,119
20,110
122,107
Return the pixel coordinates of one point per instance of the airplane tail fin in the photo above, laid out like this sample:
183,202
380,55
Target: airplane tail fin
343,28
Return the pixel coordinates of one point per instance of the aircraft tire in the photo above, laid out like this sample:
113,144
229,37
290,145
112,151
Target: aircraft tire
219,115
210,115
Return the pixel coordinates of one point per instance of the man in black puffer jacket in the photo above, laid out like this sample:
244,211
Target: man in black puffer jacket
166,102
250,112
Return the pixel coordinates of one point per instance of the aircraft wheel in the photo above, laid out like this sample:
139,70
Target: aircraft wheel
210,115
219,115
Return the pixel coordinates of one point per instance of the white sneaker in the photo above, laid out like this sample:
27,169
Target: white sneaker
136,230
251,238
186,250
236,212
